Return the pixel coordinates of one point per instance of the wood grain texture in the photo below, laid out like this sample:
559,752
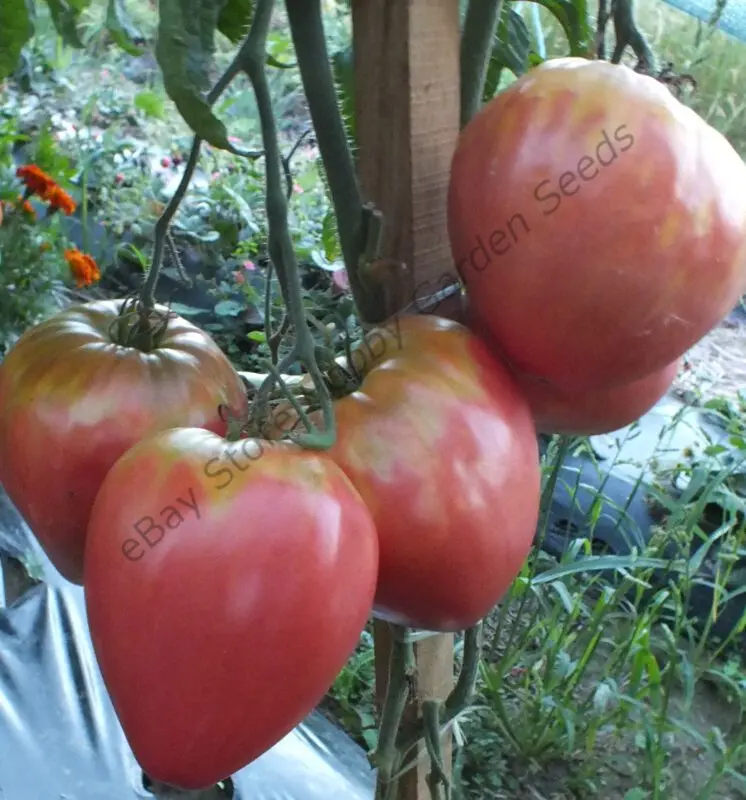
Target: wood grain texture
407,120
433,680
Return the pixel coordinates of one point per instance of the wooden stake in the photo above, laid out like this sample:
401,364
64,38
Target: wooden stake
407,121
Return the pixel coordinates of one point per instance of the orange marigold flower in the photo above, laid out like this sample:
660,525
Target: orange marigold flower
83,267
26,206
59,199
37,181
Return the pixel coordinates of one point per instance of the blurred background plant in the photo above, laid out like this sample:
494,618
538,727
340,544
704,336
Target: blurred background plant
37,268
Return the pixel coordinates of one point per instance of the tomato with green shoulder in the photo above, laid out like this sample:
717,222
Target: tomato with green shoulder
226,583
441,445
74,397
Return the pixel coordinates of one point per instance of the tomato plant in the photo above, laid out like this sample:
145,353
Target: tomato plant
72,401
599,224
226,585
441,446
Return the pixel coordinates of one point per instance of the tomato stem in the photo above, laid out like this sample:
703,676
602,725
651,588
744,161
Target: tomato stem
457,701
437,780
162,225
629,35
290,396
280,245
147,292
273,338
480,25
314,64
463,692
402,667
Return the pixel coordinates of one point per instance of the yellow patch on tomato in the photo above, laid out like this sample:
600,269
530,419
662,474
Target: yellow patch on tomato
703,218
669,231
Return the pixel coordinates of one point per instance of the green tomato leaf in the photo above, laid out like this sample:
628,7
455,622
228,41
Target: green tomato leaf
17,26
575,20
184,49
121,29
511,49
515,41
65,16
235,18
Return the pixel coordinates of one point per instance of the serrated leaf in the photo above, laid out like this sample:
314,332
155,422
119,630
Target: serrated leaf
575,20
150,103
17,26
121,28
344,76
184,50
65,17
235,19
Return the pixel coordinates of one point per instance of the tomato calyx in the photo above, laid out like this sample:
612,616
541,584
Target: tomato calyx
675,81
139,327
236,425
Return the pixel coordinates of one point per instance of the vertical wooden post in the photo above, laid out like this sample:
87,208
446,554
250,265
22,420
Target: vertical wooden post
407,120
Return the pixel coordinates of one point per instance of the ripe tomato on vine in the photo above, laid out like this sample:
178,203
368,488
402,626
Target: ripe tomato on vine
74,396
598,224
440,443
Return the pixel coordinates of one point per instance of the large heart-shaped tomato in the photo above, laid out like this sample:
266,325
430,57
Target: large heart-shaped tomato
73,399
226,585
441,445
598,223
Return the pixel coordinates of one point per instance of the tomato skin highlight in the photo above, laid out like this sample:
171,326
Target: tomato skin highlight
441,446
220,636
72,402
599,225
